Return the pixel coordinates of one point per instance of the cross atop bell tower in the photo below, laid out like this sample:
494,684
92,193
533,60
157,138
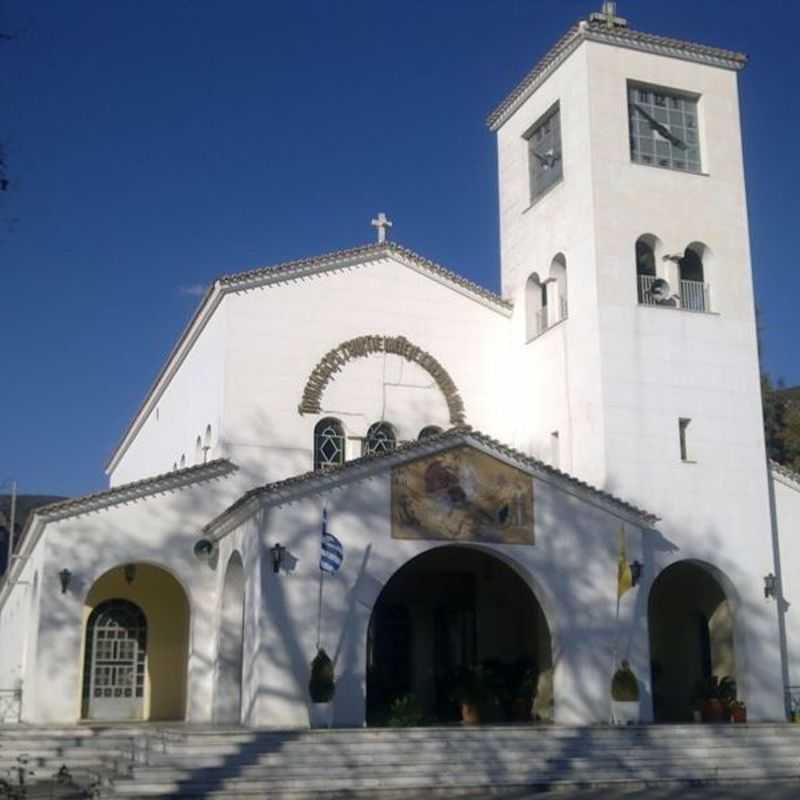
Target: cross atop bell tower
608,16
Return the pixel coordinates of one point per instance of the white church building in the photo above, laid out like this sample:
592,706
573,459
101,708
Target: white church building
477,454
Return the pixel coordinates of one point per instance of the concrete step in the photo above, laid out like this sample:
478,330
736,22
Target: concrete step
275,786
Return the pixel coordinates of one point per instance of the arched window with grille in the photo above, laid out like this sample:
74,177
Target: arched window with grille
329,443
429,430
380,439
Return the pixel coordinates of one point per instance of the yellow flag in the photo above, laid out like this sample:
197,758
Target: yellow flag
624,577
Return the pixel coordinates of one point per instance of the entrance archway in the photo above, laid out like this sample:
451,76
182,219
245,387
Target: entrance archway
691,637
136,646
456,610
228,693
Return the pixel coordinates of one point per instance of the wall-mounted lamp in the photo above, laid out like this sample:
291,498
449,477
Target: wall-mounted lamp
770,586
636,572
277,556
130,573
65,576
204,549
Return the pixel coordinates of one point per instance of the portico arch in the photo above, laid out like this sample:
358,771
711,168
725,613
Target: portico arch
691,624
136,645
451,609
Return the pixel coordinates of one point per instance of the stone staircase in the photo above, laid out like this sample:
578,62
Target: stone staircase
91,754
413,762
182,761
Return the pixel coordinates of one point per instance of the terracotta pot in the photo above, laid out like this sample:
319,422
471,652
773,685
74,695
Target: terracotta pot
521,709
470,714
713,710
738,714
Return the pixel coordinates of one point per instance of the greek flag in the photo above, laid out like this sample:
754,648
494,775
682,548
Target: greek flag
332,552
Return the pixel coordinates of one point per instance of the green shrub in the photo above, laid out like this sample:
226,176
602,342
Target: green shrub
406,712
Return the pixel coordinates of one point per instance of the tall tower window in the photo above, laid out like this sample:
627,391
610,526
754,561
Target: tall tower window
645,267
535,307
683,427
544,152
663,128
694,291
558,289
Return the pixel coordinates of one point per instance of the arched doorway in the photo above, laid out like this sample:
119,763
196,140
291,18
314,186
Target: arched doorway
136,645
691,637
456,610
228,692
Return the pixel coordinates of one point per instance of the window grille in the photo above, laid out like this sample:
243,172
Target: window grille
329,443
380,439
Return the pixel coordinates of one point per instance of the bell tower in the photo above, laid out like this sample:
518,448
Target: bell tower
625,248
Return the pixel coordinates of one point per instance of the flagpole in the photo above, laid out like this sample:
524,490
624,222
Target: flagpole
319,608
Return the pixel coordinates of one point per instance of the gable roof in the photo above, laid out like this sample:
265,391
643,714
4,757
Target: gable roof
72,507
284,272
785,475
595,30
310,482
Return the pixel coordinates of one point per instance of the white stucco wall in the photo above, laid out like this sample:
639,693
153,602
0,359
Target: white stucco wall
278,334
19,623
578,598
190,402
787,519
161,530
558,383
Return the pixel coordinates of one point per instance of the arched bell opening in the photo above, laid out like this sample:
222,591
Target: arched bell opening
452,618
691,639
136,646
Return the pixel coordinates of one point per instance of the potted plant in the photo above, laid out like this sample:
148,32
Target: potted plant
406,712
624,696
738,711
470,693
522,706
713,707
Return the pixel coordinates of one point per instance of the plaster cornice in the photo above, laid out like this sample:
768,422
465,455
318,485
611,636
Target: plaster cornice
299,486
282,273
616,36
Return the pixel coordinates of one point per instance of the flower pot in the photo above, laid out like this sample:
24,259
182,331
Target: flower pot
713,710
738,714
521,709
625,712
320,715
470,715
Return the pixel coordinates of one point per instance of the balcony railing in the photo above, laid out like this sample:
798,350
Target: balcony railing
692,295
541,319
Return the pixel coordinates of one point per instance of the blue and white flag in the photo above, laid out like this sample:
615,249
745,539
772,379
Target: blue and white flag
332,552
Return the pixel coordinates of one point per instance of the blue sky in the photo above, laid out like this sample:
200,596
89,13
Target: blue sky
155,145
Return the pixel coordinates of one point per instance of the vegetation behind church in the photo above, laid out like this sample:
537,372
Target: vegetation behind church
782,422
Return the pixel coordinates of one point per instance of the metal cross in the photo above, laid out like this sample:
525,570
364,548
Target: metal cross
382,224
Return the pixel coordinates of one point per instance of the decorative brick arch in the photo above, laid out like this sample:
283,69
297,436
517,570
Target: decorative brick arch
362,346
